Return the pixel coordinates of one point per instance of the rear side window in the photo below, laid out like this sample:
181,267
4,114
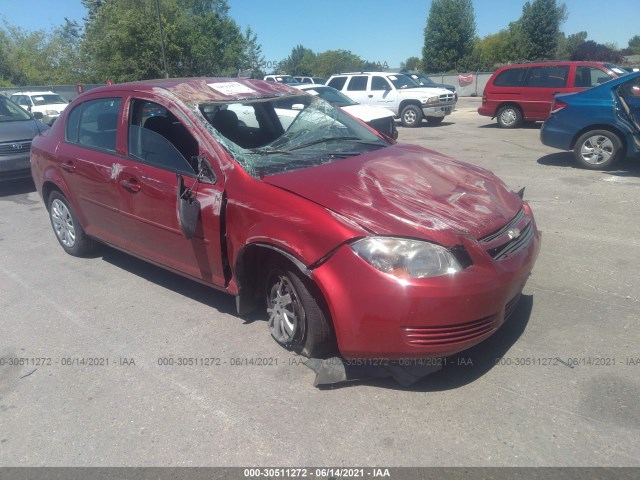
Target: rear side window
548,76
337,82
512,77
358,84
590,76
93,123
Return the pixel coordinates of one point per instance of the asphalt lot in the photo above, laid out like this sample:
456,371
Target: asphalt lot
566,392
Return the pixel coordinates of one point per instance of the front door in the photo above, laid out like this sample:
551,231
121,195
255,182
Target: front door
161,147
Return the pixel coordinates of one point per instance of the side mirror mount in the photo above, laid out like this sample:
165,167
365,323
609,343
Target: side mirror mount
37,115
188,209
205,171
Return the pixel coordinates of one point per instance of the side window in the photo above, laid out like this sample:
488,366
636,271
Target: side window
93,123
158,138
512,77
587,77
379,83
358,83
552,76
338,82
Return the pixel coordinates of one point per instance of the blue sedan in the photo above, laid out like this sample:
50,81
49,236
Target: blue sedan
601,125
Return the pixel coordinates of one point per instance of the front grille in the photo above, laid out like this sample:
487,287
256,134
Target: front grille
15,148
517,235
449,334
514,245
447,98
511,306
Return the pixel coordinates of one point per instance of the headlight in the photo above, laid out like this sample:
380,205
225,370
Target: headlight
406,258
51,112
431,100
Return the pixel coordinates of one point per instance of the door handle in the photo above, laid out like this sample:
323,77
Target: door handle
69,166
370,96
131,184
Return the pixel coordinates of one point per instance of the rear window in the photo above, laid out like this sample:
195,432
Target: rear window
358,84
93,123
512,77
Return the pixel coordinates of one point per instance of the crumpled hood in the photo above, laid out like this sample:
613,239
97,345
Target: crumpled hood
408,191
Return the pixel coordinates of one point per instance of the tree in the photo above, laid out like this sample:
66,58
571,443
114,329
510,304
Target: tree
122,39
634,44
300,62
252,58
593,51
448,35
411,63
567,45
335,61
540,23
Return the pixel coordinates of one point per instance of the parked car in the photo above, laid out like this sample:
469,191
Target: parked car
601,125
287,79
49,104
17,128
350,241
379,118
425,81
315,80
524,92
397,92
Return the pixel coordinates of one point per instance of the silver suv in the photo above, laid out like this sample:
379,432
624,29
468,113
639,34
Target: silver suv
409,101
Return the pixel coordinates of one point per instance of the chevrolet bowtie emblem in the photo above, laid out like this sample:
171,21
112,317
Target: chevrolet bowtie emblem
513,233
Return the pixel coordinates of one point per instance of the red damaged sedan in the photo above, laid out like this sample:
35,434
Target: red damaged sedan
350,240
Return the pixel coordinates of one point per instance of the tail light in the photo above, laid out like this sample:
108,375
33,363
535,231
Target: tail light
484,98
557,106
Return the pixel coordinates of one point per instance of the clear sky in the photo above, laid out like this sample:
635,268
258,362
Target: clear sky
377,30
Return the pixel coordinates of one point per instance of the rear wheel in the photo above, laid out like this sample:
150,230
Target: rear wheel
411,116
598,149
296,318
65,225
509,116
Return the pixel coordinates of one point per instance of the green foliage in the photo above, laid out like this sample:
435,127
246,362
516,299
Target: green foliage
591,50
252,57
411,63
634,44
449,35
540,25
567,45
301,61
200,40
335,61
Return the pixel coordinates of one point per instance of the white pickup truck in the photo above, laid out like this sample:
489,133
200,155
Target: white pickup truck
398,92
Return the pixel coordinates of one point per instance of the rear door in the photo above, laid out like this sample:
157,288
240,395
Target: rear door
356,89
163,144
541,85
88,162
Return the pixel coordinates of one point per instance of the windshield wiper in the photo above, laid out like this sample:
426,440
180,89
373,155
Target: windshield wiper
330,139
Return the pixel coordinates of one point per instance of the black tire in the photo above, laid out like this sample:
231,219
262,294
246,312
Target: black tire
598,150
411,116
509,116
434,120
66,227
308,332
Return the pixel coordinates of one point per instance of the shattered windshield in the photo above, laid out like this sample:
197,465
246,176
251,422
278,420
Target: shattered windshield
275,135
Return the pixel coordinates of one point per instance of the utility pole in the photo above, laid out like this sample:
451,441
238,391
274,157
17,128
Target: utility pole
164,57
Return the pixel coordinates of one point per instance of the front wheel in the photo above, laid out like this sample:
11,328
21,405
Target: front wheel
411,116
598,149
65,225
296,319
